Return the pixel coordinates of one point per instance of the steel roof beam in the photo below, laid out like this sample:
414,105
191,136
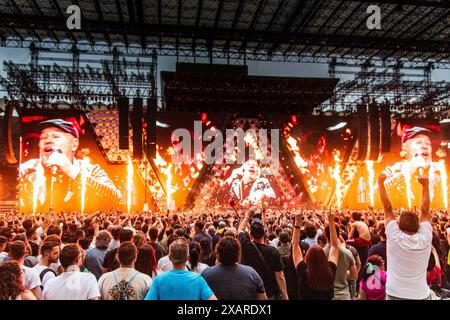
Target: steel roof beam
298,9
261,5
120,15
236,18
275,16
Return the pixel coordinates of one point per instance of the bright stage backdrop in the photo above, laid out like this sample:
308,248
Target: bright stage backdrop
34,198
314,156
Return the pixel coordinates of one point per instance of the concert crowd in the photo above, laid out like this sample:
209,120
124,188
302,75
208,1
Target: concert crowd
241,254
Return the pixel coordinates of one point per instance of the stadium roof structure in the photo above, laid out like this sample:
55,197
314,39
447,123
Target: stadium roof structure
415,31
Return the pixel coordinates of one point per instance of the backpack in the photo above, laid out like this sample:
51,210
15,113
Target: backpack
123,295
43,273
30,261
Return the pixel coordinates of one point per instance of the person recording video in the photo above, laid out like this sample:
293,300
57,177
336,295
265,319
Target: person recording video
55,177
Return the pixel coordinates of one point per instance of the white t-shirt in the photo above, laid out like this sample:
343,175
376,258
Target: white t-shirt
47,276
71,285
407,257
275,242
164,264
111,283
31,278
54,265
113,244
39,232
198,269
3,256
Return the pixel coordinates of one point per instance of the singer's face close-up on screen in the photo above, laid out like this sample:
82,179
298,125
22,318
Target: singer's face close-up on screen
54,138
419,145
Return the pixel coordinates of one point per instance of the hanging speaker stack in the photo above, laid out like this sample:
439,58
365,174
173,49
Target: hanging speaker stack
151,128
363,132
124,113
374,131
136,123
385,128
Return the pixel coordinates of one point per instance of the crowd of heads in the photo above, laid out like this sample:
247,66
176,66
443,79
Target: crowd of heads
197,239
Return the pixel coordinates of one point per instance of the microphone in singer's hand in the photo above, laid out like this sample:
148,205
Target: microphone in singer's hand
420,171
55,168
420,163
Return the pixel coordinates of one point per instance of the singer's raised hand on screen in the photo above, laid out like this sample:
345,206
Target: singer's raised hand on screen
423,180
62,162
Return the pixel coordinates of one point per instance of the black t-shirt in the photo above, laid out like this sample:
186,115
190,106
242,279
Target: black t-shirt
290,274
363,253
34,248
236,282
305,292
145,260
110,262
379,249
374,238
250,257
159,250
215,240
210,260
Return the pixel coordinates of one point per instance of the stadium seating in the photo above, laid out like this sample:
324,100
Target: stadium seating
106,126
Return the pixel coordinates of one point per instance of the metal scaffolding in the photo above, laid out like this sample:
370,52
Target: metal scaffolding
78,83
279,30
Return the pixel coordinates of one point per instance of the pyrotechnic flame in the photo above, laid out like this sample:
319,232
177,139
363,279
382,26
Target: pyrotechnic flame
369,166
39,181
166,169
407,175
251,140
199,159
159,161
299,161
443,173
350,176
337,177
129,183
302,164
169,184
248,138
83,173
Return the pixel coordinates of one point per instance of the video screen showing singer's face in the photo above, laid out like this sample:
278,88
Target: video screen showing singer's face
415,151
62,169
419,145
52,138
